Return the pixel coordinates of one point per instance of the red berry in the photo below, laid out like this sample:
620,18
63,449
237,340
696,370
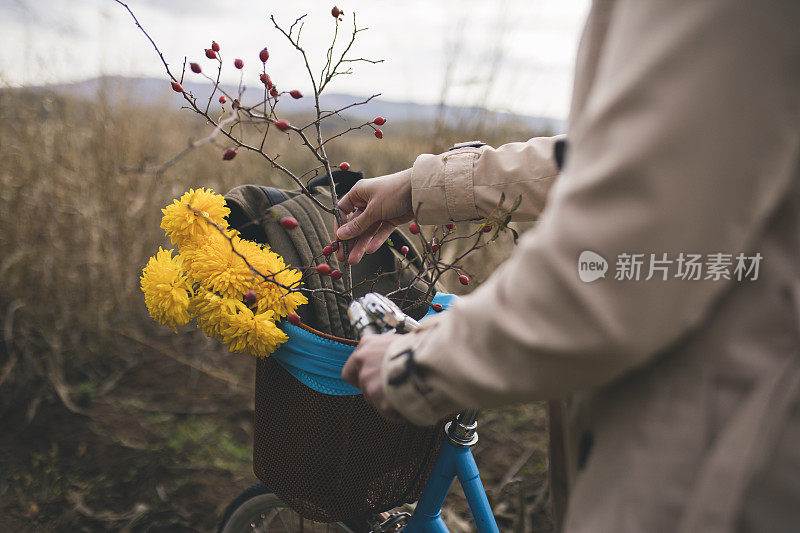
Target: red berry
296,94
274,91
214,46
450,226
434,247
222,99
463,279
238,63
380,121
229,154
334,245
336,12
288,222
282,125
177,87
487,229
265,79
263,55
404,250
323,269
327,251
344,165
293,318
437,307
413,228
250,298
211,54
336,274
195,68
378,133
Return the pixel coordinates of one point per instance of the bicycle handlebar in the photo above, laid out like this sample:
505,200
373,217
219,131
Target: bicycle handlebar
375,314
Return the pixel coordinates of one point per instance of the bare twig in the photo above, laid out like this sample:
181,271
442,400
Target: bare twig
194,107
8,339
326,114
213,372
512,471
79,504
432,267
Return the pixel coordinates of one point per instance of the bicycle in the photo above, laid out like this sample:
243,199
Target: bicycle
257,509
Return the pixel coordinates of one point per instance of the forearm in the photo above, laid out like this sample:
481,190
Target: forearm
468,183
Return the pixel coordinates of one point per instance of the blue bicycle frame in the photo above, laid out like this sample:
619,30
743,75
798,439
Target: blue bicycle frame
455,461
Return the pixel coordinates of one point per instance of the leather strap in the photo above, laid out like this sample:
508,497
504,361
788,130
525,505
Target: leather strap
274,196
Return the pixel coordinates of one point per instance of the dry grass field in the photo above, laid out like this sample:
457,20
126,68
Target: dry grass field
109,421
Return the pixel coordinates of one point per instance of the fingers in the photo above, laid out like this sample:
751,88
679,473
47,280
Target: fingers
359,245
354,199
363,370
358,214
353,205
357,224
368,242
380,237
351,369
373,208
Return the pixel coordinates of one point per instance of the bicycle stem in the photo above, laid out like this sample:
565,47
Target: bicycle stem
464,430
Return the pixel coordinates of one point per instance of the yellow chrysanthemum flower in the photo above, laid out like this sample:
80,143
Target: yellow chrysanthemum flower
278,294
166,289
254,333
218,268
277,298
210,277
183,224
205,247
214,264
211,312
233,323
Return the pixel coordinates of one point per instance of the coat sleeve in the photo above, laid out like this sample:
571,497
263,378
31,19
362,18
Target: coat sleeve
467,183
687,143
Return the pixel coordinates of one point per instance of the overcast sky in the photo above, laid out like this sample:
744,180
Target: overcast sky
526,47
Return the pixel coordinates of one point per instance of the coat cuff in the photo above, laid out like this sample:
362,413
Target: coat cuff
442,187
469,183
404,384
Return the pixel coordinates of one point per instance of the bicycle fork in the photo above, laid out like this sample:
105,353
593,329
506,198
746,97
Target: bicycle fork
455,460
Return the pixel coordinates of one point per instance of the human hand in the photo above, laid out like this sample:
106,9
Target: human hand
363,370
375,208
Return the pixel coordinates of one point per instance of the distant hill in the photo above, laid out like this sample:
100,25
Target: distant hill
152,91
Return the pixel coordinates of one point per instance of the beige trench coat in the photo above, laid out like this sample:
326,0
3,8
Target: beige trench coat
684,137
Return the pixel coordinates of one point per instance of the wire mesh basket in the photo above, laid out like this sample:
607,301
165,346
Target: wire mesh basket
331,456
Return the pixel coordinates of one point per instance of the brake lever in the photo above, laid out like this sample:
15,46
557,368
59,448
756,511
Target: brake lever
375,314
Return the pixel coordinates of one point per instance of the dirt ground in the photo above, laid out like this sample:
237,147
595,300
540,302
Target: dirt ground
167,444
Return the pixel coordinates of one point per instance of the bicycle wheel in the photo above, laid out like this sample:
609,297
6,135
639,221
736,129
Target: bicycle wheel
257,510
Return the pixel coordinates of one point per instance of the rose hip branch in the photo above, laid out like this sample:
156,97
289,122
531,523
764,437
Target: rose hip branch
233,118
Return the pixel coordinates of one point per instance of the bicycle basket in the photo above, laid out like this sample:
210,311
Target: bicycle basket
320,447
